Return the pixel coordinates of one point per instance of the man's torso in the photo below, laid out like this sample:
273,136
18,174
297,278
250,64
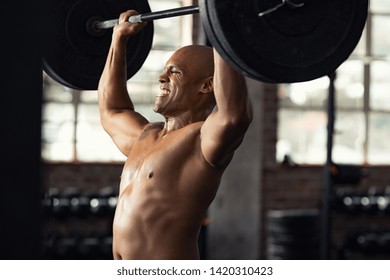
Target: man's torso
166,188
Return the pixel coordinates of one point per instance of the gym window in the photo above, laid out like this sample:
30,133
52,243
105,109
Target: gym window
362,104
71,129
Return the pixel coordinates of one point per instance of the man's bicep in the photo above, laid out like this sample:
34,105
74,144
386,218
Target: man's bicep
124,127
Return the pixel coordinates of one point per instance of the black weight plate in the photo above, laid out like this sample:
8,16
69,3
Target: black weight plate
295,244
292,224
307,231
74,57
296,250
288,45
285,239
293,217
292,256
284,214
304,221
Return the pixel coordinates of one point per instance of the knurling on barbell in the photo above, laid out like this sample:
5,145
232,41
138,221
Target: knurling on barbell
268,40
150,16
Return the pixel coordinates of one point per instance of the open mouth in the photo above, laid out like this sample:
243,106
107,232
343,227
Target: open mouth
163,92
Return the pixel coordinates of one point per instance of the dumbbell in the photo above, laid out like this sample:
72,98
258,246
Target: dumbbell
89,247
106,247
369,201
66,247
79,203
103,202
384,202
59,203
351,203
368,241
111,195
384,242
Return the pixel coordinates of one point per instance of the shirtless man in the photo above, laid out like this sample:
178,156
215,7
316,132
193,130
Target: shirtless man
173,169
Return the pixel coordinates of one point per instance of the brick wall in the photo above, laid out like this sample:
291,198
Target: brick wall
82,176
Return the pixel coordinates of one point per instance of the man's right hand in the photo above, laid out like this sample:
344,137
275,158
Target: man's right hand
126,29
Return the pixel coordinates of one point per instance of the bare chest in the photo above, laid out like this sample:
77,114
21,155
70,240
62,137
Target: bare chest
157,157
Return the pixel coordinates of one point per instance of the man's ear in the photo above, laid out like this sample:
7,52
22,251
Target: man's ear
207,85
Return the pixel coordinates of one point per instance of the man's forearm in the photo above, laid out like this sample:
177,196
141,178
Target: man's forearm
230,89
112,88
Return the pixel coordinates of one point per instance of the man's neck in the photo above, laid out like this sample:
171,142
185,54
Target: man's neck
182,120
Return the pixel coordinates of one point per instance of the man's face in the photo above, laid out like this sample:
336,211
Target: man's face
179,86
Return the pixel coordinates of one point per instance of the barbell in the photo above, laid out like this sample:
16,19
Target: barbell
275,41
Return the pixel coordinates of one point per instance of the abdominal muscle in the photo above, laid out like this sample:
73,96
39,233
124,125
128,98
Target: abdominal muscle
148,225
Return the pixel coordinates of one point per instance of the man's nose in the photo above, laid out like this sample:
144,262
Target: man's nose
163,78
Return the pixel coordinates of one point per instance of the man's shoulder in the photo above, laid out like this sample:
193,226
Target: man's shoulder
189,132
194,127
154,125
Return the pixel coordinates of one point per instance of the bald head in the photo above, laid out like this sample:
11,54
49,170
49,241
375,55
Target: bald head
197,59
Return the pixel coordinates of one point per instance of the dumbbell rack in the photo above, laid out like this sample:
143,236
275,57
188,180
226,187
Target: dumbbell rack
370,210
78,224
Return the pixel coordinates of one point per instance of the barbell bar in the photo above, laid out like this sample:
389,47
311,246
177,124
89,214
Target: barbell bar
150,16
187,10
268,40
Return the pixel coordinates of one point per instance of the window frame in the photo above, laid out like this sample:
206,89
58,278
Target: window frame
368,58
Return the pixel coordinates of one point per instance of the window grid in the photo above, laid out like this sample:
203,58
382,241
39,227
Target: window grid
367,57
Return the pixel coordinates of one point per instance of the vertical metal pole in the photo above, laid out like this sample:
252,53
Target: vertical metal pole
366,81
328,183
76,104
